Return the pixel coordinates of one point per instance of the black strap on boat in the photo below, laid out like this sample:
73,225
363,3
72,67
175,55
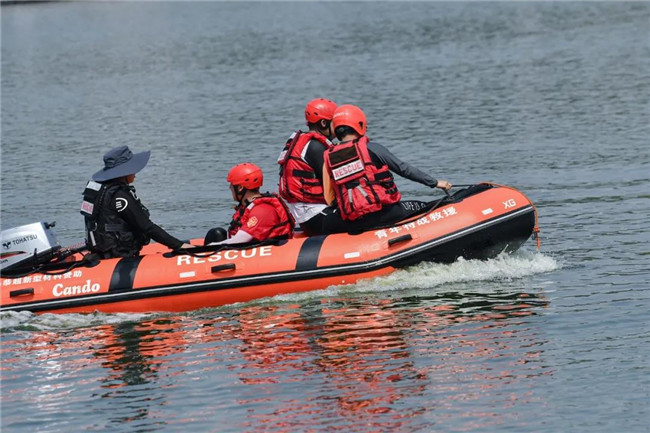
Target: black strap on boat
224,267
124,274
21,292
399,239
309,253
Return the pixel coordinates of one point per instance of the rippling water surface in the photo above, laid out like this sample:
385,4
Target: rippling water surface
552,98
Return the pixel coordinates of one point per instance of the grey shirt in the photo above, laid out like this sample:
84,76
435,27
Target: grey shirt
380,156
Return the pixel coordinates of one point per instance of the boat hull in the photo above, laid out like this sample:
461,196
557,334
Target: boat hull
479,226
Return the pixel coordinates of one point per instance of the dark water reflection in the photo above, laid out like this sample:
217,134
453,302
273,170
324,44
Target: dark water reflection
353,364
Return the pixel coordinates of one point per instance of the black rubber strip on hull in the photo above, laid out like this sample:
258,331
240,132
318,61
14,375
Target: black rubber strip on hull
124,275
309,253
482,245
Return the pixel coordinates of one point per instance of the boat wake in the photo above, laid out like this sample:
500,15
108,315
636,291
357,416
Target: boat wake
11,321
453,277
505,267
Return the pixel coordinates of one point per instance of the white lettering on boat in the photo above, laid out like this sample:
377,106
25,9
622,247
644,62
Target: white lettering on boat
226,255
510,203
60,290
427,219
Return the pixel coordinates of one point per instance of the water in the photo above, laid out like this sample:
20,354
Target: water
552,98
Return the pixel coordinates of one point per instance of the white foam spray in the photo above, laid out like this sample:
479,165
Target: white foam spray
428,275
24,320
505,267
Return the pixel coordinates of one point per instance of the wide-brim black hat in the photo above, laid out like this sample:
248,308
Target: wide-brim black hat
120,162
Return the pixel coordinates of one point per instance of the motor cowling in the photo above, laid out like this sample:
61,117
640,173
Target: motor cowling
28,244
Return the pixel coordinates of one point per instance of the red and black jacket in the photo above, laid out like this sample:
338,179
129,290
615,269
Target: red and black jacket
299,182
360,187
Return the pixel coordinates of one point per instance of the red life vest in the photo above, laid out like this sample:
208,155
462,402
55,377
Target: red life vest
360,187
241,219
298,181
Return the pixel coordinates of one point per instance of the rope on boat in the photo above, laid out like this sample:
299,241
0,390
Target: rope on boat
51,268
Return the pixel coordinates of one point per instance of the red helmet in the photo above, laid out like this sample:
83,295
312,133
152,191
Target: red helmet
352,116
247,175
318,109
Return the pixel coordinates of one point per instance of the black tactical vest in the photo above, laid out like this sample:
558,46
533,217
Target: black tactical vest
106,233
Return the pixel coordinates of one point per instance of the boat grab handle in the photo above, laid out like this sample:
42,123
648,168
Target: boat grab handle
226,267
21,292
399,239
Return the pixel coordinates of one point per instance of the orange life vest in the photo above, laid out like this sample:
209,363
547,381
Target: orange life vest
298,181
360,187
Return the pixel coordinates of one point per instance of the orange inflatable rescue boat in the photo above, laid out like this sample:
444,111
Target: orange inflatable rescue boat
480,221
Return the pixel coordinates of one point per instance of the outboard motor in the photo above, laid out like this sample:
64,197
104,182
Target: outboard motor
29,244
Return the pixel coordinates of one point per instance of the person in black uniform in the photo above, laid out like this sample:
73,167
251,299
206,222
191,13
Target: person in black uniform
117,223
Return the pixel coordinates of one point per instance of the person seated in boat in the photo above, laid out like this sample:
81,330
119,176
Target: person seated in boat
358,180
258,216
117,223
301,166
